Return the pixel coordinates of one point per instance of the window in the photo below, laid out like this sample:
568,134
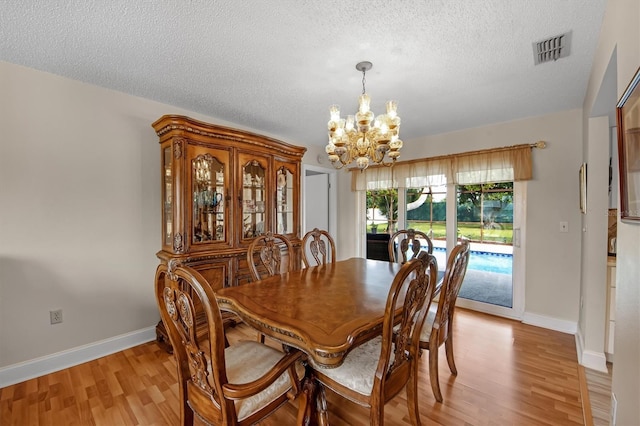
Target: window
427,211
382,211
485,212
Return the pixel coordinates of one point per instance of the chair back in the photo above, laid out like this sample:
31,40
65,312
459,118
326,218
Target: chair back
237,385
265,256
452,281
314,248
407,241
409,298
199,354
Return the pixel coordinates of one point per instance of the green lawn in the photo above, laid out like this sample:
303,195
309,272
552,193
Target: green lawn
472,230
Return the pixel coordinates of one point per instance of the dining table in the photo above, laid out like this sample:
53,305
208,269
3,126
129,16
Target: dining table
324,311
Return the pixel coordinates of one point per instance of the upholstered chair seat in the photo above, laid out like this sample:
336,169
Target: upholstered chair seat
248,361
359,367
428,323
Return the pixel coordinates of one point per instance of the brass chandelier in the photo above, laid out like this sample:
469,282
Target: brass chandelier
360,138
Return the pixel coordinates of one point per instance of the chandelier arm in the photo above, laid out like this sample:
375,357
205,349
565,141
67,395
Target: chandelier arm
346,161
376,155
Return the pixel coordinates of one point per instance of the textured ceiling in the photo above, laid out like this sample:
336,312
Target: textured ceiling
276,66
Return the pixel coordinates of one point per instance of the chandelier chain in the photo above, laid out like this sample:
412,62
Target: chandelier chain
364,72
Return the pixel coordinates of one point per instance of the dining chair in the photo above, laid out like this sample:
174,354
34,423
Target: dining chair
438,327
404,240
376,371
265,257
315,243
237,385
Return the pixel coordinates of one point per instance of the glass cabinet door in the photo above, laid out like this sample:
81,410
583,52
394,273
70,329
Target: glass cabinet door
254,200
167,197
208,191
285,201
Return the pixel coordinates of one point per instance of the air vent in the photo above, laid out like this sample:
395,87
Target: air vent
551,49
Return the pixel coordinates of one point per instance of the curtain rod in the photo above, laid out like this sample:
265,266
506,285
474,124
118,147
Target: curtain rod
538,145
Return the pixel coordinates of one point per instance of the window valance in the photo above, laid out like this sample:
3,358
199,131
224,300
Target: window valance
512,163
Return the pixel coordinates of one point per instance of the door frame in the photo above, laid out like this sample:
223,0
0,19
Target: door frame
518,275
333,197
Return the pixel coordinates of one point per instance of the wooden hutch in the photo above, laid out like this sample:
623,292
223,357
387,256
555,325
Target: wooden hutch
221,187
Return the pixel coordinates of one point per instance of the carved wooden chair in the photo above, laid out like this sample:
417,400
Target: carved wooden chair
438,327
376,371
315,243
266,258
239,385
407,239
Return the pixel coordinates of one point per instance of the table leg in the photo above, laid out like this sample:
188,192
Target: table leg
312,410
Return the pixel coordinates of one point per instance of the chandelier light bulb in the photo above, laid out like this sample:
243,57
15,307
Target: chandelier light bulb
365,103
350,124
334,110
392,109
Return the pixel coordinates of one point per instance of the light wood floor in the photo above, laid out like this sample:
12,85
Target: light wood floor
599,385
508,374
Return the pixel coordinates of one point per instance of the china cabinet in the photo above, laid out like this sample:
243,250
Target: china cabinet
221,188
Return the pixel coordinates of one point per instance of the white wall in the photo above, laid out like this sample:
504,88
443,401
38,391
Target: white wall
593,293
79,213
620,34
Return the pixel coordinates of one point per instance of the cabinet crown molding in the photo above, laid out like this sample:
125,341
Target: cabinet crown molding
168,125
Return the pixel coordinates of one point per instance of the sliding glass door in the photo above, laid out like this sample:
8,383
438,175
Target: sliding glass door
426,211
485,217
490,215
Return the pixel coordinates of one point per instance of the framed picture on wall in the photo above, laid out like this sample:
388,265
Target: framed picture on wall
628,117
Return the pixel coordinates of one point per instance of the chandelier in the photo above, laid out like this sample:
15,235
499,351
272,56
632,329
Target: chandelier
360,138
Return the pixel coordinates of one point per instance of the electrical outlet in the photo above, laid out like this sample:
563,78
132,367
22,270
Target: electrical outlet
55,316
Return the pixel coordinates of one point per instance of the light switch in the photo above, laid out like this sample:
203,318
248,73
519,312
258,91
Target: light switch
564,226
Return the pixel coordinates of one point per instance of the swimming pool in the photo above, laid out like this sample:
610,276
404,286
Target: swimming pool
481,261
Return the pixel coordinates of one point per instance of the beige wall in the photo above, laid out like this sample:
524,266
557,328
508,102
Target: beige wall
79,212
620,40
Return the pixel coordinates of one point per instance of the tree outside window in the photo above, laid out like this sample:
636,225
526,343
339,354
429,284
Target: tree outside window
382,210
485,212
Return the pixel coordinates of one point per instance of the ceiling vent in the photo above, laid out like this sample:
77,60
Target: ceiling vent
552,48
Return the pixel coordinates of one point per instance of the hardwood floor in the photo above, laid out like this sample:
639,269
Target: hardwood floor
599,385
508,374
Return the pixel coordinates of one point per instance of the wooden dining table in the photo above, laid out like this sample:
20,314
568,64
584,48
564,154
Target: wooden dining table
324,311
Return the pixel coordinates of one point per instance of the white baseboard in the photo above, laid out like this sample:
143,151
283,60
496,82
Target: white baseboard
590,359
564,326
37,367
594,360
